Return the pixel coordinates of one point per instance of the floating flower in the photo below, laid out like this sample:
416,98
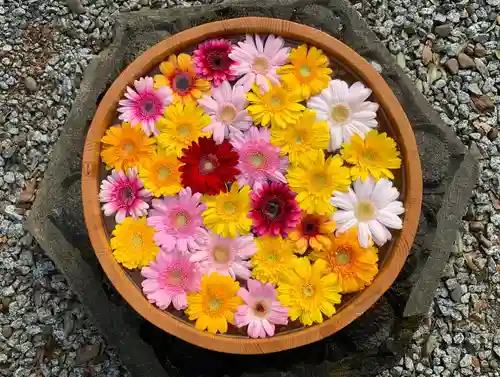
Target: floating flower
261,311
374,155
372,207
278,107
212,61
346,111
308,70
144,105
257,61
132,243
124,146
227,110
303,138
181,126
169,278
259,161
354,266
227,256
160,173
274,210
312,231
208,167
178,223
178,74
315,180
309,291
227,213
214,306
273,257
124,194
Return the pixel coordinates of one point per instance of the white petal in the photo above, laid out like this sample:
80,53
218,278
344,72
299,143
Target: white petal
343,216
383,193
364,234
377,231
364,189
389,219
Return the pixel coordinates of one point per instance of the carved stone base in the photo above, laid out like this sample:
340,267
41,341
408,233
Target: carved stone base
373,342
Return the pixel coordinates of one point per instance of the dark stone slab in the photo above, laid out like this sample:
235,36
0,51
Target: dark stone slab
372,343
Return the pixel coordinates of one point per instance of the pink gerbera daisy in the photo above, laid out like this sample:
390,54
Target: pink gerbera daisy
169,278
144,105
259,159
124,194
227,256
258,61
212,61
178,221
227,110
261,311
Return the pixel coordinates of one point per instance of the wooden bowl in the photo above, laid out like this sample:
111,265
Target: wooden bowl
391,117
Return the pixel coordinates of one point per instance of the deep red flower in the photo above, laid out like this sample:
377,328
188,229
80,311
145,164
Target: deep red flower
274,209
208,166
212,61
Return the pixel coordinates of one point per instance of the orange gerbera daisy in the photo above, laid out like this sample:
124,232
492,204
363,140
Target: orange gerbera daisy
354,266
313,231
179,74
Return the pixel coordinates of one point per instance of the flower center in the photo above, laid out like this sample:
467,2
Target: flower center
208,164
275,100
128,147
365,210
318,181
272,209
136,240
183,130
228,113
307,290
260,65
148,107
174,277
163,173
272,257
182,83
370,155
340,113
260,309
310,227
181,219
221,254
214,304
343,257
229,208
305,71
218,60
127,194
258,160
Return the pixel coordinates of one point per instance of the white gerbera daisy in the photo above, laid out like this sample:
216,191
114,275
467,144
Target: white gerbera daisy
372,207
346,111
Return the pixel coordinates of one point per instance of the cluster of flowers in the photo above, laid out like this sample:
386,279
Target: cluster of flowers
249,186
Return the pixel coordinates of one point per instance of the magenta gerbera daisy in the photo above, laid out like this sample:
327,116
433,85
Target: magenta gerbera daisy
178,221
227,256
144,105
258,61
259,161
227,110
124,194
169,278
274,210
212,61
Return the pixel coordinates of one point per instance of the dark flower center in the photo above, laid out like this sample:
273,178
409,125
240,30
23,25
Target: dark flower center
218,60
127,194
273,209
260,308
208,164
310,226
182,82
148,107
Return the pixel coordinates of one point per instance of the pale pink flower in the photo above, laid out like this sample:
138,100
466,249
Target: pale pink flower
258,61
371,207
178,221
124,194
259,160
227,110
144,105
169,278
261,311
227,256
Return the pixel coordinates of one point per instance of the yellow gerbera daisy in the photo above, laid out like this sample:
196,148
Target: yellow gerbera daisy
277,107
178,73
214,306
309,291
132,243
160,173
315,180
227,213
273,257
181,126
308,70
374,155
313,231
303,138
124,146
353,265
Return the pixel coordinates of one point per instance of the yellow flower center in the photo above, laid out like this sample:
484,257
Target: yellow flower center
308,290
136,240
208,166
230,208
258,160
305,71
214,304
260,65
272,257
174,277
365,210
275,100
340,113
228,113
184,130
343,257
181,219
318,181
370,155
221,254
163,173
128,147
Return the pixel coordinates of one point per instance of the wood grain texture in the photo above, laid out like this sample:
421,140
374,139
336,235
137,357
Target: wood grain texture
412,190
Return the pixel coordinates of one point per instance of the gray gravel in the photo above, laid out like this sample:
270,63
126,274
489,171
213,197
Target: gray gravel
449,48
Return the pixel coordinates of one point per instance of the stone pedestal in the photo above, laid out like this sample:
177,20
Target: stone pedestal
373,342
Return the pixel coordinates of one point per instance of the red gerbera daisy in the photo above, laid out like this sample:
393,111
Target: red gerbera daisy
208,166
212,61
274,209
